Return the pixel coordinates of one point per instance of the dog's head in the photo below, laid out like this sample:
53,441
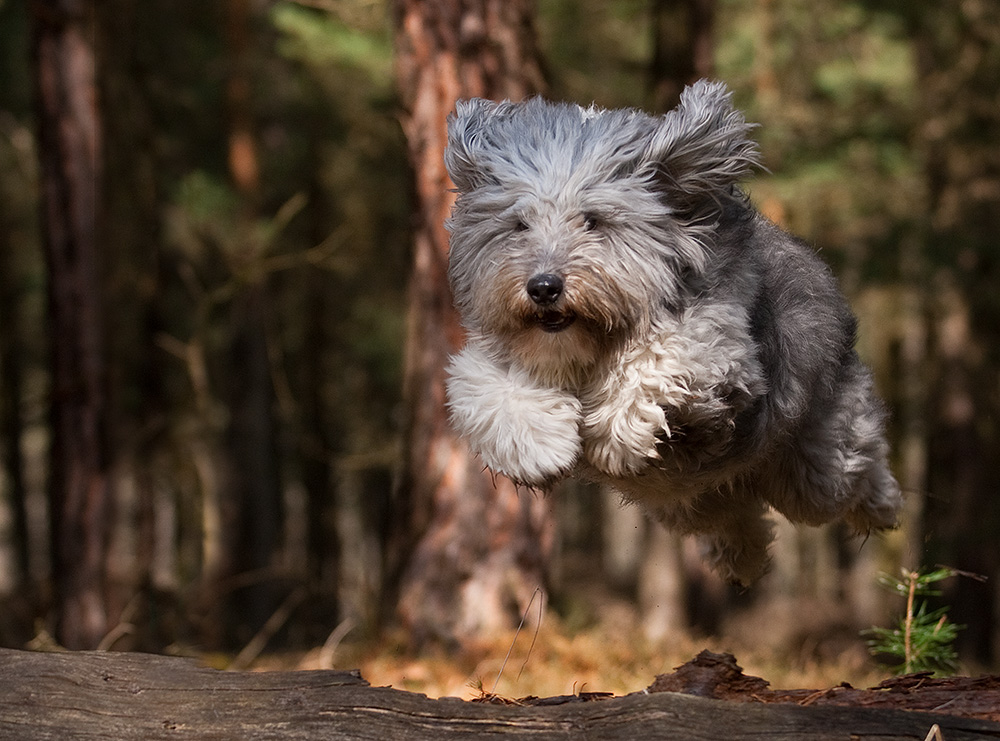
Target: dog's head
575,227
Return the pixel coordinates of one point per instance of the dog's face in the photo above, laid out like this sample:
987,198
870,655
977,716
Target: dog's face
574,228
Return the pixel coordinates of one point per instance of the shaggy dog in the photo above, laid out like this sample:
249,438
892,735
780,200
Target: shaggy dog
633,320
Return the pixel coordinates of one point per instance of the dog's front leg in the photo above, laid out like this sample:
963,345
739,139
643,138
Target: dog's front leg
526,431
624,414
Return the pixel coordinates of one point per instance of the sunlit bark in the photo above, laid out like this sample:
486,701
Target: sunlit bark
469,550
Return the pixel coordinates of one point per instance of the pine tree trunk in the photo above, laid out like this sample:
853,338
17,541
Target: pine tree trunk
468,550
957,68
136,267
683,48
253,507
69,147
12,422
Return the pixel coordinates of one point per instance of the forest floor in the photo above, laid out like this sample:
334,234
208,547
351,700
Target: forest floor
612,658
793,672
610,655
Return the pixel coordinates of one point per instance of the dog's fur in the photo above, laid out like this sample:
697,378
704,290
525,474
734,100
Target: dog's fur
632,319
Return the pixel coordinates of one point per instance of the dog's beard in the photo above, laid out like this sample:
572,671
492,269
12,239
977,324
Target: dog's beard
558,358
561,345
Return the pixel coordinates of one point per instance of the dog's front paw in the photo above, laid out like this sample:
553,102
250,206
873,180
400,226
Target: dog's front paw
620,439
527,432
536,451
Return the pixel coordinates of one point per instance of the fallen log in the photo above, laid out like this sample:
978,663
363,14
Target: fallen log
96,695
718,676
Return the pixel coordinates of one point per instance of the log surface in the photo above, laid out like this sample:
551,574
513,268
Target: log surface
720,677
91,695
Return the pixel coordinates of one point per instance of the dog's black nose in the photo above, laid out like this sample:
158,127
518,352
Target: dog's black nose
545,288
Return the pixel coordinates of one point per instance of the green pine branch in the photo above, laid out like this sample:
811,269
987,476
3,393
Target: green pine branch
923,639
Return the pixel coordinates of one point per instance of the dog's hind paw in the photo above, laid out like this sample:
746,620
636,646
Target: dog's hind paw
879,508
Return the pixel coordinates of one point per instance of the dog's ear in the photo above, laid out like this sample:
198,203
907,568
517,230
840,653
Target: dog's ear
466,142
702,147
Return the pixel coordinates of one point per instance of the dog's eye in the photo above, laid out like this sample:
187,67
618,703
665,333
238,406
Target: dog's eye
520,226
590,222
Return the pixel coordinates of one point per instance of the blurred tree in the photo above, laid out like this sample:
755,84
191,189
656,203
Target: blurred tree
80,496
18,220
683,51
342,314
11,384
470,549
958,63
683,48
133,273
253,509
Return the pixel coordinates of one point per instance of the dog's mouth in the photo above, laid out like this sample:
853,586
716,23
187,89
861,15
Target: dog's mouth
554,321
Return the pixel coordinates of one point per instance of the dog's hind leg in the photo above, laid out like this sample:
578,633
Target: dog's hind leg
834,465
733,525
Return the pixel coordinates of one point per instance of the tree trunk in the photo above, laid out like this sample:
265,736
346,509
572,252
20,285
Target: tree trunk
253,509
320,431
683,51
468,550
957,70
12,422
683,48
70,152
662,585
253,481
135,273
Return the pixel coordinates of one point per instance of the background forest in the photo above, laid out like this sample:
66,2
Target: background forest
220,410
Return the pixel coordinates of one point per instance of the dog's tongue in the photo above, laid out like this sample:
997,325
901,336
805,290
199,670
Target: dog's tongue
554,321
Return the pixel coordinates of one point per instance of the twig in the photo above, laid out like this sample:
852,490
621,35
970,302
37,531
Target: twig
252,650
934,734
524,617
125,625
121,629
908,624
333,640
538,625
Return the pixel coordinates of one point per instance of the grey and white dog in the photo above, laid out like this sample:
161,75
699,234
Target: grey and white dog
633,320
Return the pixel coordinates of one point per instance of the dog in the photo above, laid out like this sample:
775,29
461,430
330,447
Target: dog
631,319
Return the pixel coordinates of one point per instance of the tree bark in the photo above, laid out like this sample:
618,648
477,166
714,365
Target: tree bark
70,151
467,550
